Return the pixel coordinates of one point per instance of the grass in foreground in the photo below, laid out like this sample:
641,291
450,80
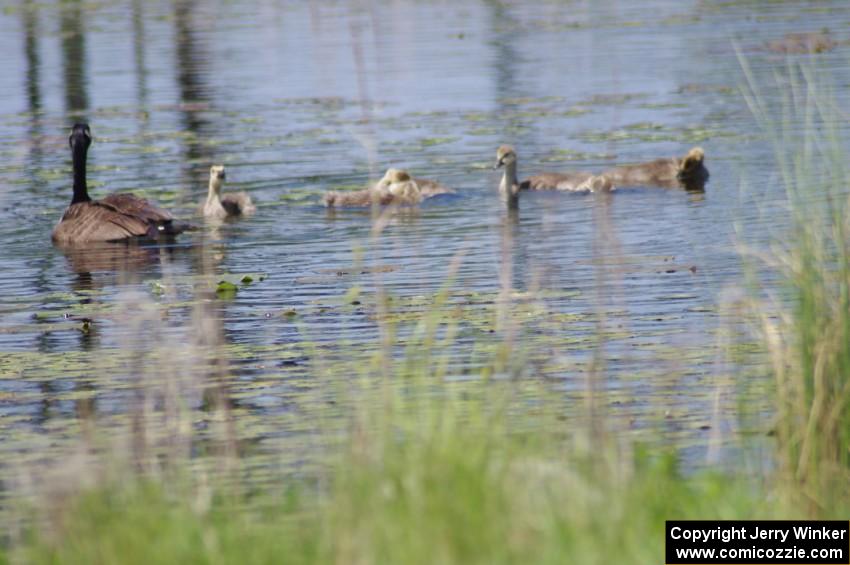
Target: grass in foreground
450,494
807,330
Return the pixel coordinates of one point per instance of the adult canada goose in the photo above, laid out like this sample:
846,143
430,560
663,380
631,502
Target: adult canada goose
114,218
395,187
231,205
688,172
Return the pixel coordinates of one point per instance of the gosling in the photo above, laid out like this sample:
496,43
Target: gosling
232,205
398,184
395,187
574,181
577,181
686,172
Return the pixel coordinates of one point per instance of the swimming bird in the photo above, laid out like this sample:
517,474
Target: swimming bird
231,205
574,181
395,187
398,184
114,218
688,172
509,187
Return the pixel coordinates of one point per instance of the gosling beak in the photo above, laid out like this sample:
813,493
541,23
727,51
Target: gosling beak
498,164
222,175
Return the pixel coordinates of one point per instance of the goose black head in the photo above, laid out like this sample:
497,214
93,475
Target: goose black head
80,134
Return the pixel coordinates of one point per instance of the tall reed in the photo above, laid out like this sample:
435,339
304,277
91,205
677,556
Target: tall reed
806,328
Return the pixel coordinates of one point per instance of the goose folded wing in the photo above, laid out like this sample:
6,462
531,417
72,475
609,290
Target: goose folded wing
660,172
432,188
238,203
93,221
357,198
139,208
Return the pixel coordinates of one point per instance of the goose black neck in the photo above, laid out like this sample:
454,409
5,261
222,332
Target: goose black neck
79,150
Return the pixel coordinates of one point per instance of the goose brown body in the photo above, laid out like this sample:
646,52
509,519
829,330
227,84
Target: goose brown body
688,172
572,181
355,199
429,188
114,218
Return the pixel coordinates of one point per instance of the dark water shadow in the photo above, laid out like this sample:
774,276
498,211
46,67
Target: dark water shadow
192,66
74,62
32,31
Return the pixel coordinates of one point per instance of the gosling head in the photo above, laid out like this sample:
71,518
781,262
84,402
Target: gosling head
692,161
217,176
398,183
217,172
505,156
392,177
395,175
80,136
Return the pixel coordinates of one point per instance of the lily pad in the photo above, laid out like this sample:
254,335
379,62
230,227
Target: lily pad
226,289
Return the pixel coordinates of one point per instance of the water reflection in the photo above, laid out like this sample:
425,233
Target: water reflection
208,315
505,324
139,41
128,260
192,64
29,17
74,60
32,31
145,163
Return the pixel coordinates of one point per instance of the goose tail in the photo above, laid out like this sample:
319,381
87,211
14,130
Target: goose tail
170,229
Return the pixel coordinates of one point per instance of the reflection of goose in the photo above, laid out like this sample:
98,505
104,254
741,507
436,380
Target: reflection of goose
688,172
395,187
102,257
236,204
116,217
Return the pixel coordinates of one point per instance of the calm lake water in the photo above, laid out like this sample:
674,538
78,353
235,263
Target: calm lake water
302,97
